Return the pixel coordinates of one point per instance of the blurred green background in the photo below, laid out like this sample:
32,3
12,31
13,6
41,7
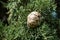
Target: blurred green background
14,17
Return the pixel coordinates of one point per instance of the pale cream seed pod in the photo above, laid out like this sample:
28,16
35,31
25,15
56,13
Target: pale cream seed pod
33,19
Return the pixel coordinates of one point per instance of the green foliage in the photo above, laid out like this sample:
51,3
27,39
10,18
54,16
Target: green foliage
1,29
18,12
20,32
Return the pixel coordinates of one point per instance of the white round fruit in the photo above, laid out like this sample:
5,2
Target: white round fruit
33,19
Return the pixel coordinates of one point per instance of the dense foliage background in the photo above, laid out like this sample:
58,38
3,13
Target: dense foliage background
18,10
